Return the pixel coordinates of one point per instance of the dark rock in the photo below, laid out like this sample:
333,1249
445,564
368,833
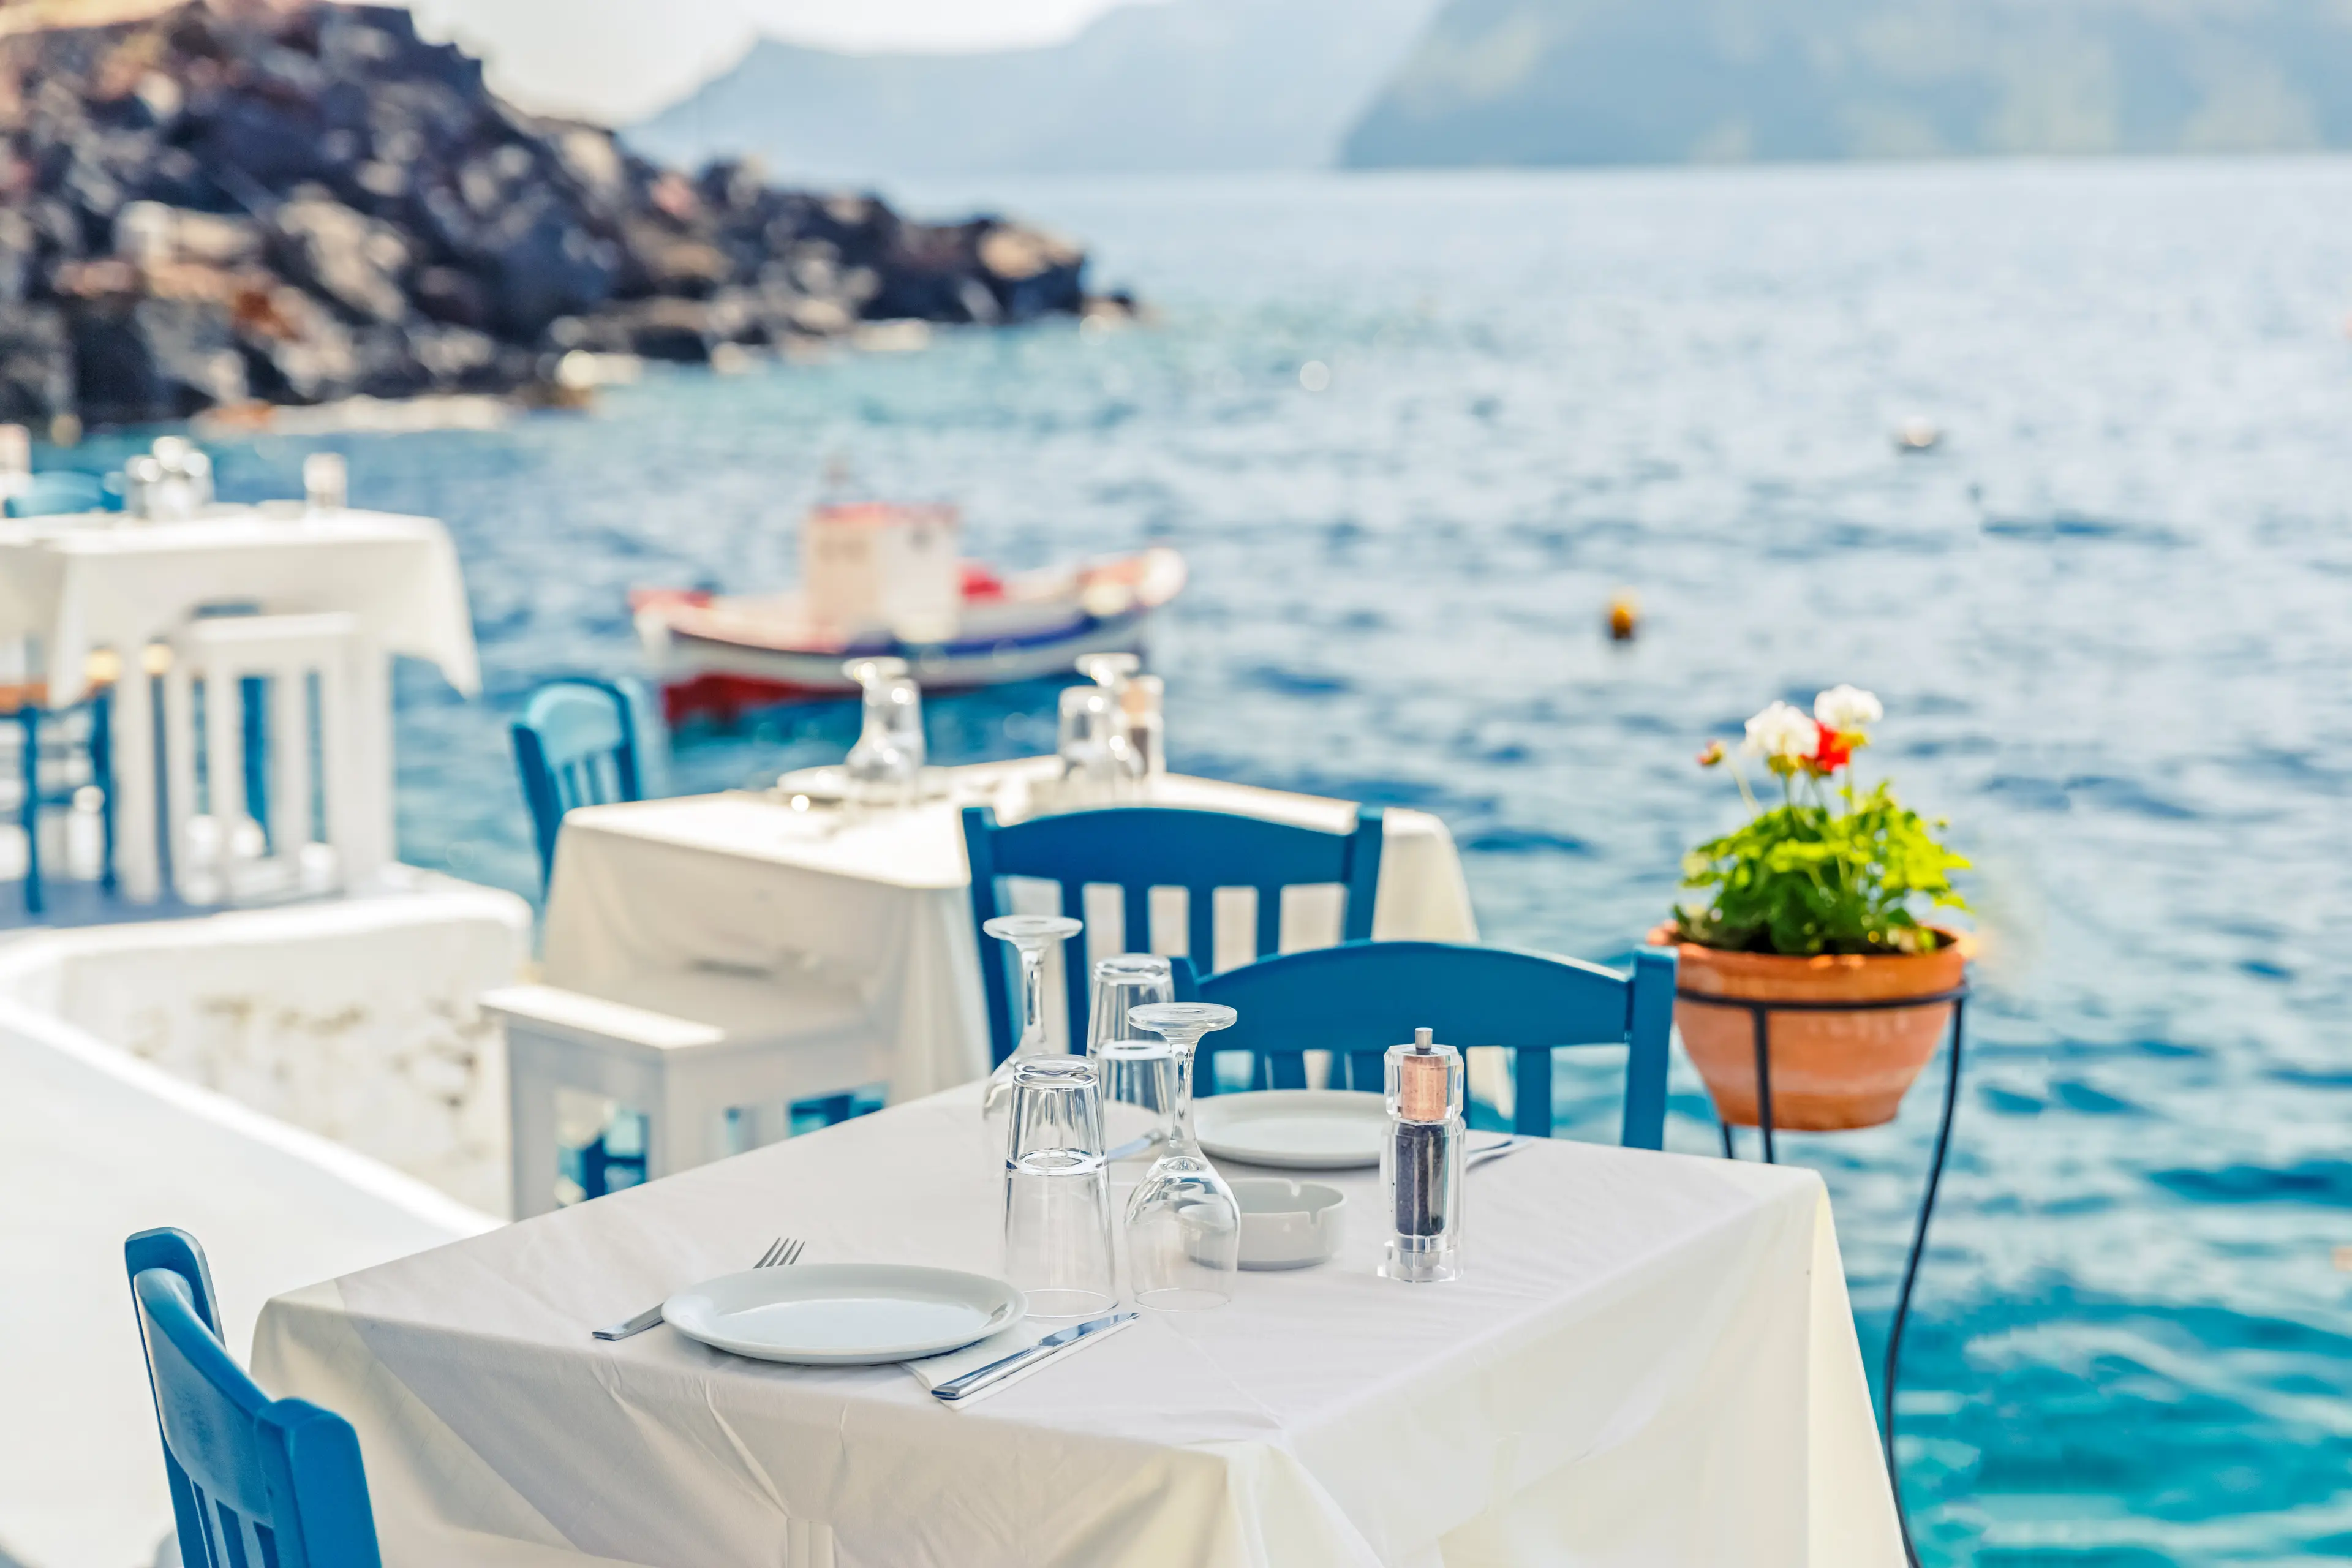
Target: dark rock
303,202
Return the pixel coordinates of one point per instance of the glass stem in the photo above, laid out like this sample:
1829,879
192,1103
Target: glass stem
1032,1003
1184,1141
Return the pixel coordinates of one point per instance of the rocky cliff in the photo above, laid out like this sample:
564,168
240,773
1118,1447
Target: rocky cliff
279,201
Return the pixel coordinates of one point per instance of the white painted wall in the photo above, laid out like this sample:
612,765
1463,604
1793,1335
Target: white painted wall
354,1019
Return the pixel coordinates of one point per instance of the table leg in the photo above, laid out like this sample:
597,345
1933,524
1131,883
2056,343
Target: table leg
138,867
530,1120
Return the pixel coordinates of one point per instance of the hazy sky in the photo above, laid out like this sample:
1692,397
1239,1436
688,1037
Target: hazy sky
617,60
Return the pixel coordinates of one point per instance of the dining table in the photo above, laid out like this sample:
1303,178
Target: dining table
84,594
736,907
1648,1359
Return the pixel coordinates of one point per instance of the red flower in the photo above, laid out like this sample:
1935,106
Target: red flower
1832,750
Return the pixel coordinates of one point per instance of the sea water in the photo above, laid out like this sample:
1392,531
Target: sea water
2110,616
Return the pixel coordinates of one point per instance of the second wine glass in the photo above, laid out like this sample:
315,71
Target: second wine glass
1183,1226
1031,936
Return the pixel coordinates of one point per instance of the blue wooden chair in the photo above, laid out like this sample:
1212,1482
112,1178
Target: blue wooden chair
1139,848
1359,998
58,492
256,1482
44,737
576,744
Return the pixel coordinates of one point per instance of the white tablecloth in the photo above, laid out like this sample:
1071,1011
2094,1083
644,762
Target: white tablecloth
735,909
1649,1360
77,585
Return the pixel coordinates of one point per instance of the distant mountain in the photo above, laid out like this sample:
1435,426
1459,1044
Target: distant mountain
1180,85
1636,81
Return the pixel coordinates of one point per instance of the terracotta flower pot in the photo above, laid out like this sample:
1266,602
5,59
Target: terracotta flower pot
1830,1071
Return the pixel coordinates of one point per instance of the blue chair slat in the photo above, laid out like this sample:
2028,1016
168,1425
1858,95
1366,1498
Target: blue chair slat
58,492
254,1481
1139,848
1358,999
576,744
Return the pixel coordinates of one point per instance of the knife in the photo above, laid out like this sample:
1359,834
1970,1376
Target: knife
972,1382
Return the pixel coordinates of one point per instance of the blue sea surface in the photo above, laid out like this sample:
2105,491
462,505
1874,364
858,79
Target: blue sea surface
2110,618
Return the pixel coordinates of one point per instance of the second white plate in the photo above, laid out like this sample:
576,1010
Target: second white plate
1293,1128
844,1314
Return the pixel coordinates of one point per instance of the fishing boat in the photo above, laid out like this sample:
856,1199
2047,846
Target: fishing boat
891,581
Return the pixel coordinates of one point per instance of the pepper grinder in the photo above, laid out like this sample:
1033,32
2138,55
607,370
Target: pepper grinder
1421,1163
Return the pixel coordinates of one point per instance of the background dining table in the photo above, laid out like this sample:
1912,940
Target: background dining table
731,908
1649,1359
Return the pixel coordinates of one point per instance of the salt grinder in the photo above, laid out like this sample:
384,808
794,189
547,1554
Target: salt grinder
1421,1163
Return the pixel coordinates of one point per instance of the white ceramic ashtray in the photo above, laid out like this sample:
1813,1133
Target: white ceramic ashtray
1287,1224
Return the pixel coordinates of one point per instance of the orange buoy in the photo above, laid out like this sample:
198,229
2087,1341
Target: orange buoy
1624,616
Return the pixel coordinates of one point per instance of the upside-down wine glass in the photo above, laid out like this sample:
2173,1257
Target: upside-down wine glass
1031,936
1183,1227
1094,754
1115,673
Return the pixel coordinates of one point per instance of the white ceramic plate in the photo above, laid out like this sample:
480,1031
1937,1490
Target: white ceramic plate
844,1314
1293,1128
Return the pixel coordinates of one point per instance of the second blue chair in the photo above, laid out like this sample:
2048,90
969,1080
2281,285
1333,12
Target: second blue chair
1139,847
576,744
255,1481
1358,999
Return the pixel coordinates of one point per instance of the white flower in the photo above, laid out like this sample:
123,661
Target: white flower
1782,732
1847,708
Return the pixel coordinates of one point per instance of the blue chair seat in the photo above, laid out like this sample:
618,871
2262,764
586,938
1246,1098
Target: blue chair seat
255,1481
1358,999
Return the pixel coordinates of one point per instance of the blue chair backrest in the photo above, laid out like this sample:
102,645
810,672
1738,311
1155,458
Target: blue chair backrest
576,744
1358,999
1139,847
256,1482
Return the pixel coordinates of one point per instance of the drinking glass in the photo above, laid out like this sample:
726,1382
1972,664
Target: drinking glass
1093,754
1139,1075
1031,936
885,765
326,483
1183,1227
1058,1245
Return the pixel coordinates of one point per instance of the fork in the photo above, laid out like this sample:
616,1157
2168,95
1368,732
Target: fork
782,1251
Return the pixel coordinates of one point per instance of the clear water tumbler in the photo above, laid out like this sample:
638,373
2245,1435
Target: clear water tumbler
1058,1238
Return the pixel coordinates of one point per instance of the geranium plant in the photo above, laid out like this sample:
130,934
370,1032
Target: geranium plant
1833,867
